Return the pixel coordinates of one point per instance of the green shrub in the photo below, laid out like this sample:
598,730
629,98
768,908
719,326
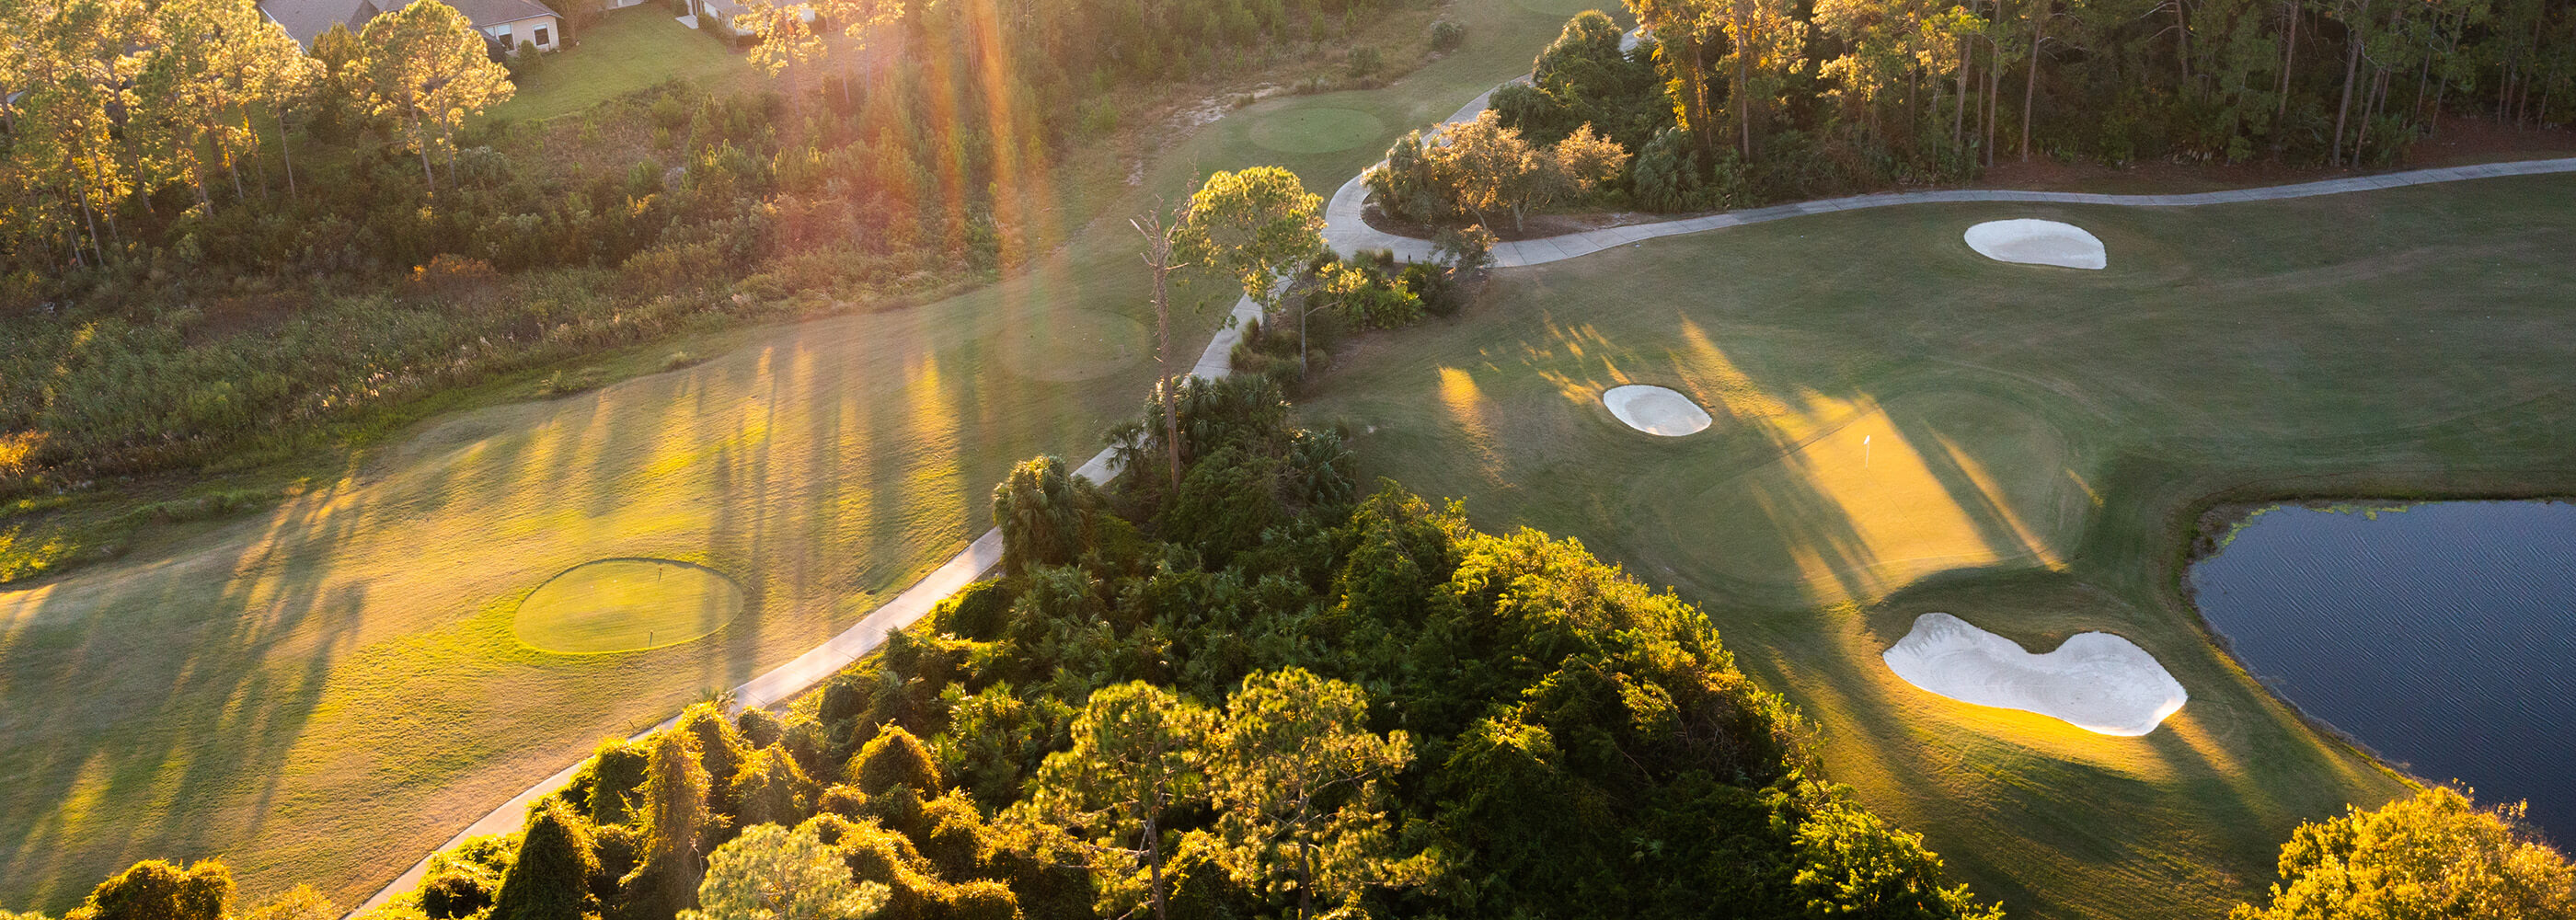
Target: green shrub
760,728
618,848
875,854
157,890
454,895
616,775
979,899
552,876
771,789
720,748
895,758
843,800
953,835
567,383
1366,61
212,505
1447,35
981,611
1044,512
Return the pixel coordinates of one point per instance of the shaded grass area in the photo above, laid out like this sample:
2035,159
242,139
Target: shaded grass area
2034,447
324,690
626,50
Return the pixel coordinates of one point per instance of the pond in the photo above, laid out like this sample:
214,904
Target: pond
2442,635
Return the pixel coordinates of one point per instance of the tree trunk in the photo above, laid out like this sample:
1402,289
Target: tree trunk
1305,879
1959,116
1742,91
89,215
1701,122
1161,256
1301,342
425,174
1154,856
2030,84
2182,40
2351,71
447,138
2442,90
258,162
286,152
197,180
2370,98
2289,62
1994,87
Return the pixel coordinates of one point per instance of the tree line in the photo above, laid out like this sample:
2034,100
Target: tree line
116,102
1729,103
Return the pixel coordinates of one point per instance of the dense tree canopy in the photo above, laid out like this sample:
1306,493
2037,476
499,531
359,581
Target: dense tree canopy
1729,103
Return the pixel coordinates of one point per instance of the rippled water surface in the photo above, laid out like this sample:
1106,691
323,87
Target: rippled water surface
2443,636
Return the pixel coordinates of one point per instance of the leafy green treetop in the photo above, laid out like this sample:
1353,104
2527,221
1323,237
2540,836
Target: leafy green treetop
772,873
1296,778
158,890
1257,226
1138,752
426,70
2432,856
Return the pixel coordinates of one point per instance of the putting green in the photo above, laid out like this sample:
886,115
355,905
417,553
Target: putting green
1319,129
626,605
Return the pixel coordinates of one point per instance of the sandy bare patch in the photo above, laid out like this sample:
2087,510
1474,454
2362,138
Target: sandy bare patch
2095,681
1656,410
2037,242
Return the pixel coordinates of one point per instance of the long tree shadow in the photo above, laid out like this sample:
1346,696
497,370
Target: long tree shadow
152,693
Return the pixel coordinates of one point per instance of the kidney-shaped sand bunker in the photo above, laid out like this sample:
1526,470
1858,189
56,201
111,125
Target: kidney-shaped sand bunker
2095,681
1655,410
2038,242
625,605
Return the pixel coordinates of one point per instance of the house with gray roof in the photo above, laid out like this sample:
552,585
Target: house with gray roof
508,23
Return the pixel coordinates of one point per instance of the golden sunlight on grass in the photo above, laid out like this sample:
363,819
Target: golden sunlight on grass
624,605
1868,498
1466,405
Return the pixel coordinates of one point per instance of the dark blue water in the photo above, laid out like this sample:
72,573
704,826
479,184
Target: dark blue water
2442,636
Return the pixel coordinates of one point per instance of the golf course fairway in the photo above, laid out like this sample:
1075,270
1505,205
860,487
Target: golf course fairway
327,691
1904,426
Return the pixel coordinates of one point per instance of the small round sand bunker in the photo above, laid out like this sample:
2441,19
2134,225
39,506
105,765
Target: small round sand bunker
2095,681
2037,242
1656,410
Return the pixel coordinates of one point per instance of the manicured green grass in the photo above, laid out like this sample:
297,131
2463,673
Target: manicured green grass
626,50
1316,130
2040,443
325,691
626,605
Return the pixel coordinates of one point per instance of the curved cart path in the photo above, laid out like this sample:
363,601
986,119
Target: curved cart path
1346,232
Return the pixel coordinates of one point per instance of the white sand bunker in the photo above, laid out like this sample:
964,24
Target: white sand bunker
1655,410
2037,242
2096,681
